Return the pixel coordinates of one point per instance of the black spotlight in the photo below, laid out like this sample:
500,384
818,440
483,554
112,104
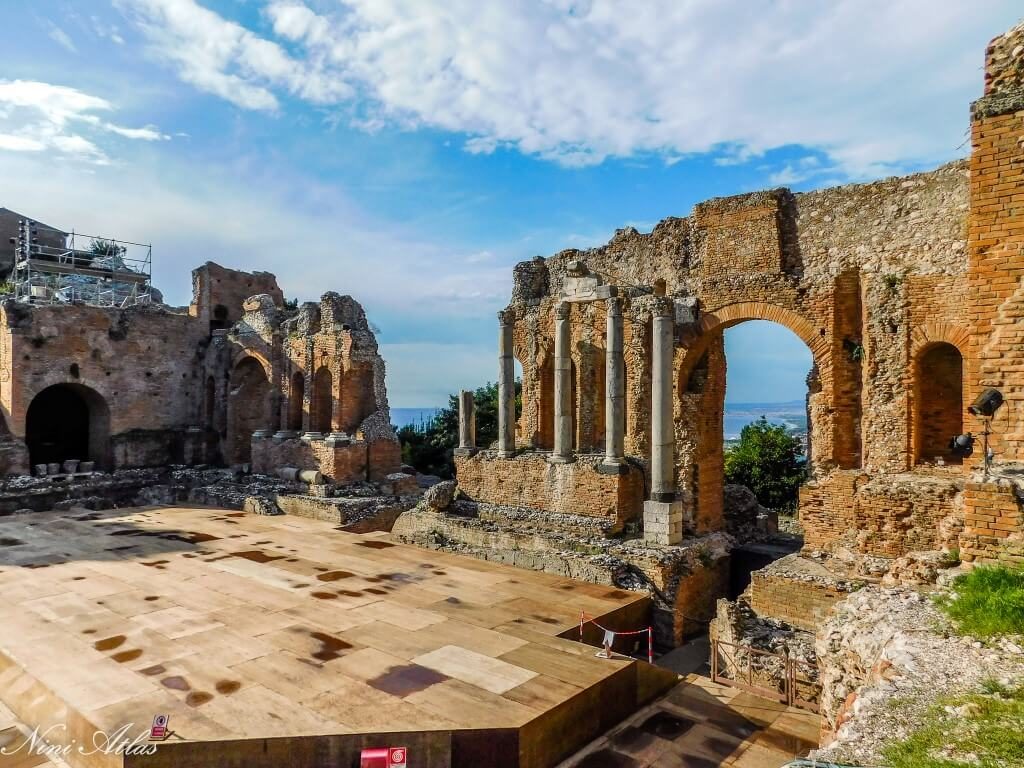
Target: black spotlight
962,445
987,403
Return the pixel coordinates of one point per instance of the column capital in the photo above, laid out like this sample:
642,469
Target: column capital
562,310
614,305
663,307
506,317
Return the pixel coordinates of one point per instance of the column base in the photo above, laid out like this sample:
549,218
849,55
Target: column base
555,458
663,521
613,467
286,434
466,451
308,436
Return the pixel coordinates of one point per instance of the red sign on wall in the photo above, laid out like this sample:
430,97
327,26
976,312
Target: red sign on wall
383,757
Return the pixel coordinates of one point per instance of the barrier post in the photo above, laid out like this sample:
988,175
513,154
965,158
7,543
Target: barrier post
650,645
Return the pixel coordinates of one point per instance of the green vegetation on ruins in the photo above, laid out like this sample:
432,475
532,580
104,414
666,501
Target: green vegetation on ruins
984,730
987,601
430,448
769,461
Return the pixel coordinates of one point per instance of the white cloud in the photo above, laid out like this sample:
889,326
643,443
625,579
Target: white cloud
311,236
226,59
875,85
37,116
62,38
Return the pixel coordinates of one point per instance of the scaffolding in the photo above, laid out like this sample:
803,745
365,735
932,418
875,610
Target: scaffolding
99,271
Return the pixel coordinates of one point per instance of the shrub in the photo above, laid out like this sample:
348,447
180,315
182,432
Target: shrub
987,601
429,449
769,461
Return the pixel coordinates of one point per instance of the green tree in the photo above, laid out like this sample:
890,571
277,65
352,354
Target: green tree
769,461
430,449
101,247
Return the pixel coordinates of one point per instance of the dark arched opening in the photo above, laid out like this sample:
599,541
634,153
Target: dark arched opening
323,401
938,402
68,421
296,394
248,408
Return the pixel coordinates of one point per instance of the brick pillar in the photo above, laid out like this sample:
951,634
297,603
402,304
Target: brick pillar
996,242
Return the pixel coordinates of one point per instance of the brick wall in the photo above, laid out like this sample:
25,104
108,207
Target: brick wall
996,240
800,602
696,595
528,480
888,515
858,272
993,523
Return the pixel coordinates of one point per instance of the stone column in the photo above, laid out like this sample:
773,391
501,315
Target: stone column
615,390
663,513
467,424
506,388
563,386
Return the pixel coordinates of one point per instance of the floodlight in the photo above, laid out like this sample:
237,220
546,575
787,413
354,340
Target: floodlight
962,445
987,403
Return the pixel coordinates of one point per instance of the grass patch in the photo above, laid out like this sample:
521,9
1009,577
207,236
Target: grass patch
988,733
987,601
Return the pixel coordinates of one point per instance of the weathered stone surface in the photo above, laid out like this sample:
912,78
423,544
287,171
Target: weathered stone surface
745,519
261,505
439,497
886,656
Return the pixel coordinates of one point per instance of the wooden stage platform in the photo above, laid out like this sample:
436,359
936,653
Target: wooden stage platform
280,641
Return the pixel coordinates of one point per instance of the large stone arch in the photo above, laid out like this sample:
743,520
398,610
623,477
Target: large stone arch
734,314
68,421
249,405
700,395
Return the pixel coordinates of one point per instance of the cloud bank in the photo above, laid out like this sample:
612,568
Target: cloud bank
874,85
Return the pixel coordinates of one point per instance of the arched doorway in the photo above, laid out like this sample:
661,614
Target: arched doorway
323,401
296,395
248,408
68,421
766,375
938,402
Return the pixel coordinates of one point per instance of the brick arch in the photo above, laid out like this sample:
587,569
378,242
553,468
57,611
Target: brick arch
734,314
259,357
937,402
934,333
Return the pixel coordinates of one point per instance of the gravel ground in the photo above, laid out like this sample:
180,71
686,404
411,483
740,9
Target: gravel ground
888,655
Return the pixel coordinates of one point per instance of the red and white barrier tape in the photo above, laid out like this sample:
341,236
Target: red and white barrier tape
648,630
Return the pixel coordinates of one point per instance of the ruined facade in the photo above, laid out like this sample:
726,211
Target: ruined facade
233,379
907,293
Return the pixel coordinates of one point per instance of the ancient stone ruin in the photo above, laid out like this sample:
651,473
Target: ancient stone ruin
907,293
235,379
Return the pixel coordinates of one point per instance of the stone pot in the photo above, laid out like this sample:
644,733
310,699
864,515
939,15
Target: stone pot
87,466
53,468
71,466
40,470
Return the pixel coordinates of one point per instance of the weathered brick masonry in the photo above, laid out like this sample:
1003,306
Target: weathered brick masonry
154,385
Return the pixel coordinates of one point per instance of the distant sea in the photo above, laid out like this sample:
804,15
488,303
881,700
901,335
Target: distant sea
737,415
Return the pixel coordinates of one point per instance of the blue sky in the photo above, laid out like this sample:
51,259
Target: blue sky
409,152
